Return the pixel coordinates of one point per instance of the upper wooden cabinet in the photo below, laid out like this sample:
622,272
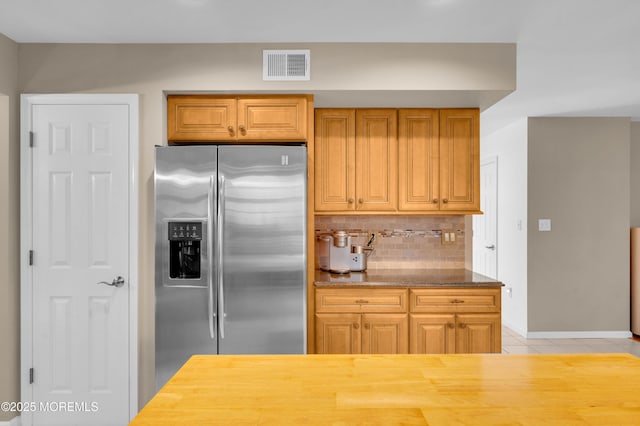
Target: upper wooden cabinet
376,159
426,162
219,118
460,160
419,160
335,159
355,160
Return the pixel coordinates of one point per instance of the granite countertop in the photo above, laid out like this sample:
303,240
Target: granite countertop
406,278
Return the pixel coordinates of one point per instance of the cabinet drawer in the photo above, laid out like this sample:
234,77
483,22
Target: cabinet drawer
361,300
455,300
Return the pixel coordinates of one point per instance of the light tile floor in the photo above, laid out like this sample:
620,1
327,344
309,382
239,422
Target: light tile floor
513,343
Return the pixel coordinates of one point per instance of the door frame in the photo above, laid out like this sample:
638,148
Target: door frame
27,101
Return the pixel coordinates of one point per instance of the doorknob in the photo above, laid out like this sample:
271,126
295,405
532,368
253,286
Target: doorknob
117,282
491,247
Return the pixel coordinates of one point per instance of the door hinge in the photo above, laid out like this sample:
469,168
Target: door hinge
31,375
30,257
31,139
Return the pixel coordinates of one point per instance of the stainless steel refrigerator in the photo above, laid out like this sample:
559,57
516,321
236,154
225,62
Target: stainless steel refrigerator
230,252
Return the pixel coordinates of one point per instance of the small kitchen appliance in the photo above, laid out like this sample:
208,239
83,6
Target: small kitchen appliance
336,254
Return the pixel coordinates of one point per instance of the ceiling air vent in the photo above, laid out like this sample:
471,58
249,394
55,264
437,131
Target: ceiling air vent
286,65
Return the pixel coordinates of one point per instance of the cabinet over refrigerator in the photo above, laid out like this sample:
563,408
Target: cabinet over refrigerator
230,252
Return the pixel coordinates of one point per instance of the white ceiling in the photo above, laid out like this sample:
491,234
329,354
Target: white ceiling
575,57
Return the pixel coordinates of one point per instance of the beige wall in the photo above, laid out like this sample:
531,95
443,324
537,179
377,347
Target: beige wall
579,177
341,74
9,225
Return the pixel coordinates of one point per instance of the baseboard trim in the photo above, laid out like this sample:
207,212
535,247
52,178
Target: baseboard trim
13,422
578,334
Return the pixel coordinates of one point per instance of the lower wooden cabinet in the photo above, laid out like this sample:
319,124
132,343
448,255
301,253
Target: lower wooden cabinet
385,334
433,334
433,321
359,320
478,333
338,334
362,333
455,333
455,320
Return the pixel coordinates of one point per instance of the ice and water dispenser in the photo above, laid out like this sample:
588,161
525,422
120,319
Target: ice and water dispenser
185,240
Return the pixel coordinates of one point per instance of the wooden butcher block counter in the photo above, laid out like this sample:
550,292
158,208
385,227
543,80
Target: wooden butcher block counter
469,389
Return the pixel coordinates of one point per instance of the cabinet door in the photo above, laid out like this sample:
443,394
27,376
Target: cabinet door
459,160
200,118
338,333
418,160
335,151
385,334
478,333
272,119
376,159
432,334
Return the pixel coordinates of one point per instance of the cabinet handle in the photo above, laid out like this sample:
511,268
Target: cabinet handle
463,325
356,325
360,200
366,325
445,200
243,130
362,301
451,325
350,201
434,201
230,129
457,301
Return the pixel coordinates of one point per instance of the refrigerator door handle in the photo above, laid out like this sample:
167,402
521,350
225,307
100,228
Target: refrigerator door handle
210,226
210,198
219,267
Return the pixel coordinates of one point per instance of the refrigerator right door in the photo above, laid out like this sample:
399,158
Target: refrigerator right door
262,240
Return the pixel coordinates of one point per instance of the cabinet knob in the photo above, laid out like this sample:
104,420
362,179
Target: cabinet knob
445,200
360,200
243,130
356,325
434,201
366,325
350,201
463,325
451,325
230,129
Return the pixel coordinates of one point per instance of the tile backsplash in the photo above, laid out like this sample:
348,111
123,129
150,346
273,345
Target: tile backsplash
402,241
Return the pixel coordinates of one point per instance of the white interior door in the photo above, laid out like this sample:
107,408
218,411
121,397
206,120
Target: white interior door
81,274
485,226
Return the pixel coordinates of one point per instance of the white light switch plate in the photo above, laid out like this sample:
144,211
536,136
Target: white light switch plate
544,224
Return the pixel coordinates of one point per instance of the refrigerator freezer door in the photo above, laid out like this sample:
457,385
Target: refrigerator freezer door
263,225
185,186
